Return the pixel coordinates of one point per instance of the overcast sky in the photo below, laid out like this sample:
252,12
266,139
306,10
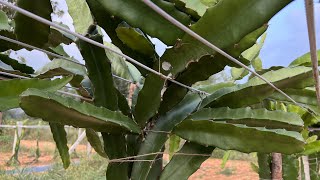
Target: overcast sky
287,36
286,40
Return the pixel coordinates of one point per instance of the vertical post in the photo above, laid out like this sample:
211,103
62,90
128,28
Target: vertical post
14,140
89,148
0,122
300,169
0,118
317,165
17,135
79,132
19,124
38,138
276,166
306,168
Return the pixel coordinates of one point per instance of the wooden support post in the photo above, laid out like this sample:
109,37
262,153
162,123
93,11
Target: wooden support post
276,166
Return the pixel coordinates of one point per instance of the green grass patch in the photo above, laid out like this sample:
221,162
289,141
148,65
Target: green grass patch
92,168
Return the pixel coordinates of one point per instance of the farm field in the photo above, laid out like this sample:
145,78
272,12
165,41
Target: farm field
210,169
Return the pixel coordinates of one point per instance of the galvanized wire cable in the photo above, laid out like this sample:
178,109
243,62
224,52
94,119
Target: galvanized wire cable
52,54
210,45
60,91
313,45
127,159
13,75
36,48
128,58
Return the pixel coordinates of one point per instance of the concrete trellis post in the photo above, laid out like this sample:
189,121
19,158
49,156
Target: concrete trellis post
17,135
89,149
306,168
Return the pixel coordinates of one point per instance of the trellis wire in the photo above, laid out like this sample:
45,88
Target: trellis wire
128,58
24,77
313,159
126,159
63,92
133,160
210,45
60,91
36,48
31,126
313,163
53,54
163,132
13,75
